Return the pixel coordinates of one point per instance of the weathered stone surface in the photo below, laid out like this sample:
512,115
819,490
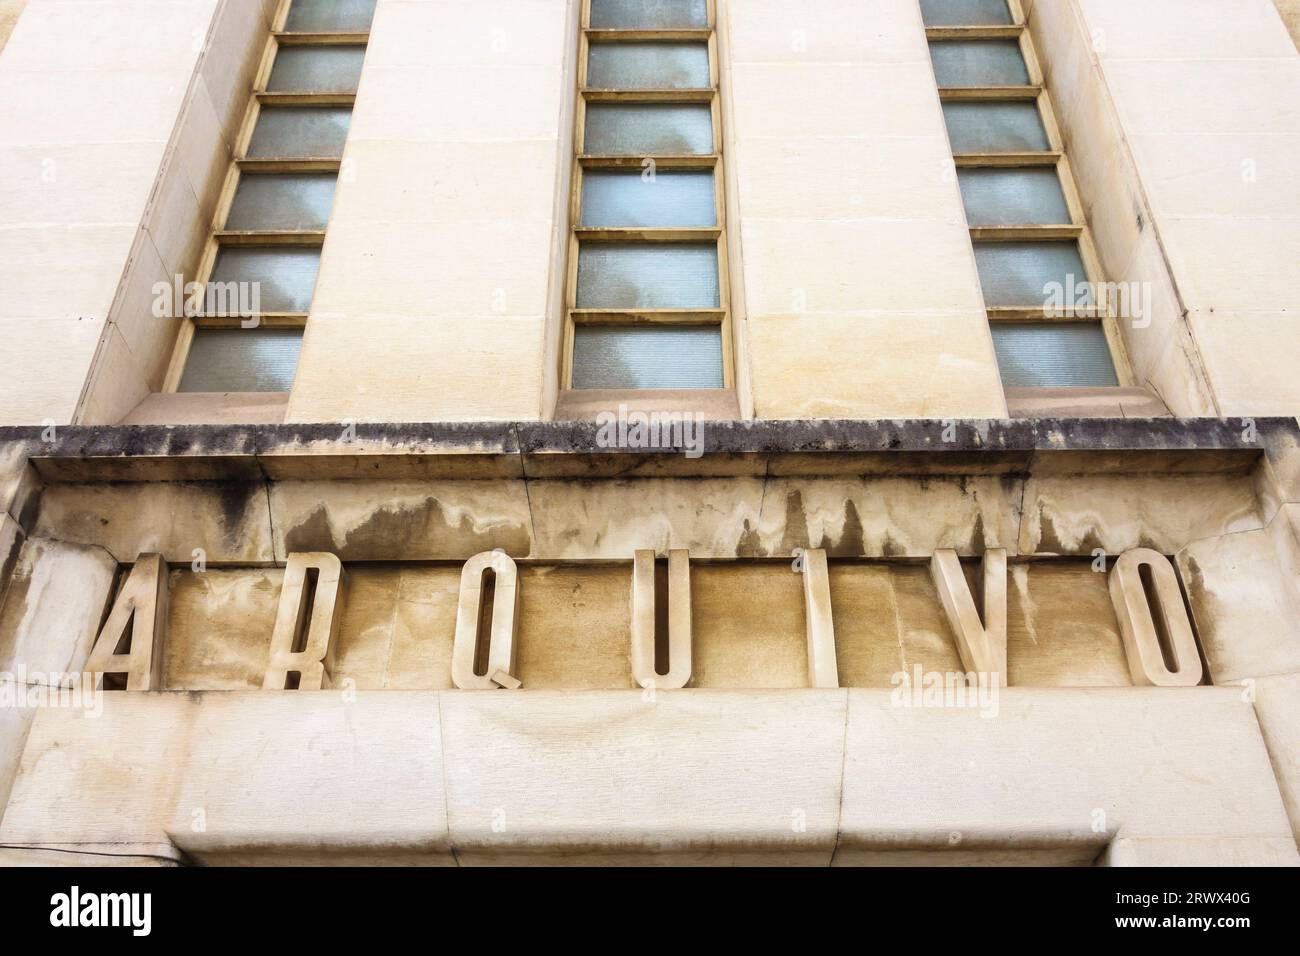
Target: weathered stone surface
1201,851
11,542
1079,514
885,517
1277,705
260,777
575,628
888,620
679,777
219,628
1061,628
614,519
748,626
398,627
15,722
494,449
1246,611
574,625
1180,764
401,520
54,607
227,522
20,485
675,776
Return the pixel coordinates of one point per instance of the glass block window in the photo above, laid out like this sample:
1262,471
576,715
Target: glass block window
317,69
260,271
648,14
330,16
995,127
648,66
1047,354
648,129
959,63
661,356
300,132
647,304
242,360
1026,274
279,201
1031,242
672,197
1000,196
965,13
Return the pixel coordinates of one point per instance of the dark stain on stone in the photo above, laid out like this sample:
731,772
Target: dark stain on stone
851,541
233,498
796,523
1050,542
1197,595
1150,543
749,545
393,533
890,548
311,535
13,610
977,543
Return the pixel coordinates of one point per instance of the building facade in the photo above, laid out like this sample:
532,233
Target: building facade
649,431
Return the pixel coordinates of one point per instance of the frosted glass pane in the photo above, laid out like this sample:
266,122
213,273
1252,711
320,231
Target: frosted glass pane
242,360
327,16
625,198
648,14
648,66
316,69
648,129
282,201
975,127
978,63
626,275
286,275
1027,273
1017,196
1054,354
300,131
963,13
647,357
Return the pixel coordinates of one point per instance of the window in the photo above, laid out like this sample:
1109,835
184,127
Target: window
1037,266
260,266
647,304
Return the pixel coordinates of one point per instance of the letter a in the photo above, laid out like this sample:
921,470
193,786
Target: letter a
131,641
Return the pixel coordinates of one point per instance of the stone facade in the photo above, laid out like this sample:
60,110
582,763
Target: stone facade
243,621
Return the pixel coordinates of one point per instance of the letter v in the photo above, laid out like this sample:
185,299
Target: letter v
981,643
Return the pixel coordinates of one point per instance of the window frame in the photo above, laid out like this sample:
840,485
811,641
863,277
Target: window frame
219,237
721,317
1055,157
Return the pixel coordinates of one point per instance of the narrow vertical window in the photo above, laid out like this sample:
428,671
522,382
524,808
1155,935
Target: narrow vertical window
1043,288
647,304
259,270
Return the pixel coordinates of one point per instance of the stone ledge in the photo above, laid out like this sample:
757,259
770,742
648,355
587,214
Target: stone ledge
575,449
691,776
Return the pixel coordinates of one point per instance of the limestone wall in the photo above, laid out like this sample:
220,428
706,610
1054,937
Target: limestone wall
10,11
1204,93
813,777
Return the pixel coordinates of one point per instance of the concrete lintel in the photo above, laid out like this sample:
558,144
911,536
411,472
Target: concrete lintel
579,449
